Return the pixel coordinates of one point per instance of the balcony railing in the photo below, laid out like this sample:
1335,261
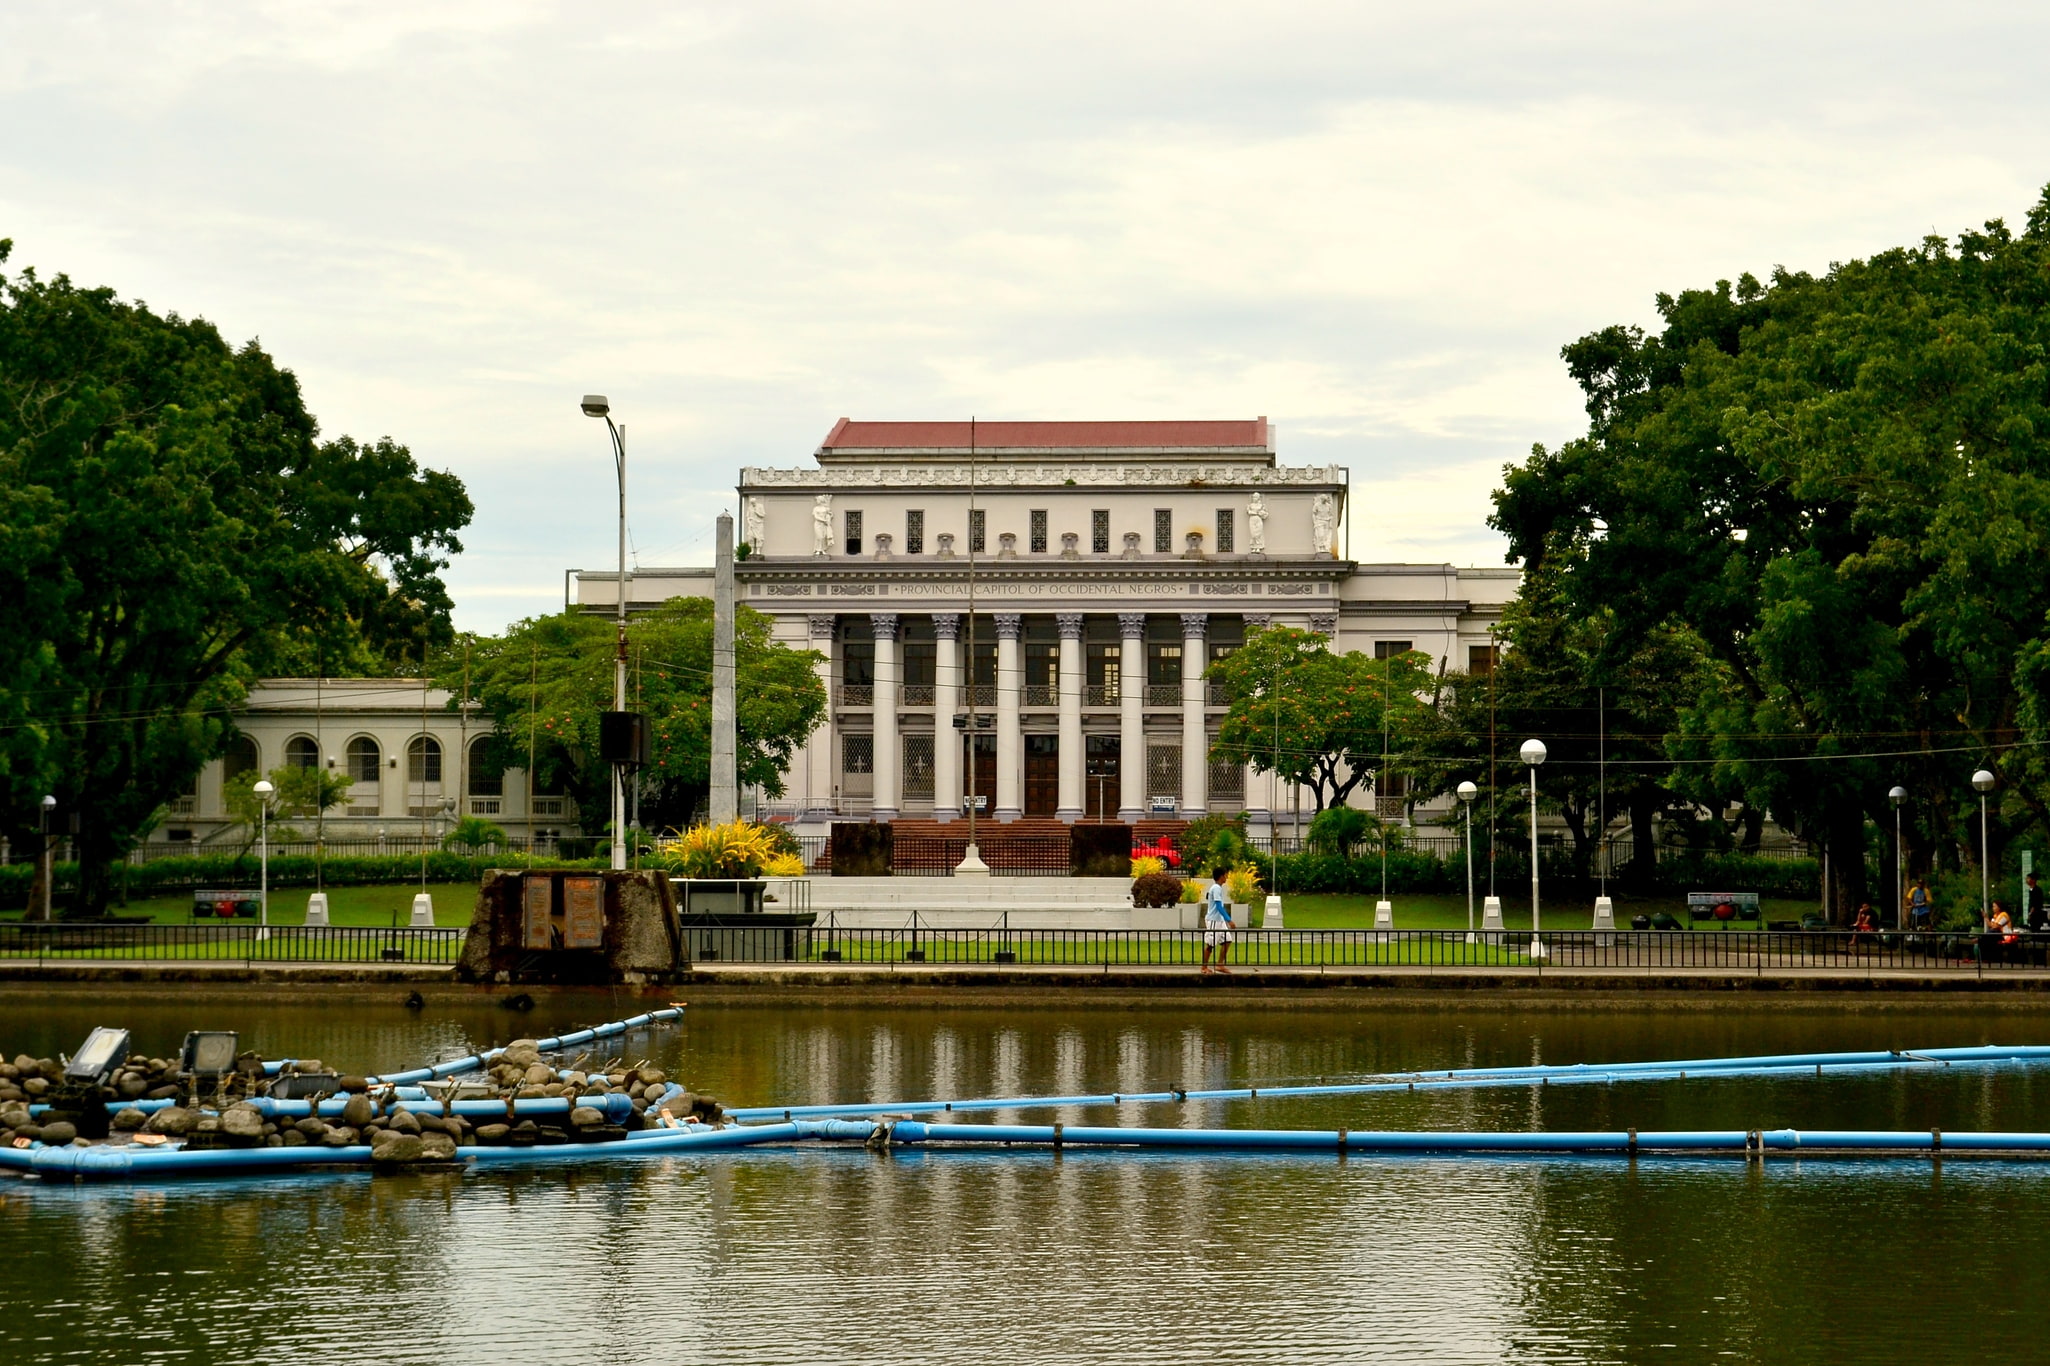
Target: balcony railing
857,695
917,694
1218,693
1039,695
982,696
1100,695
1163,694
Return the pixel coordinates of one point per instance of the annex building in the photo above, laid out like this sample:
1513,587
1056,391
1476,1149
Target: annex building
1024,610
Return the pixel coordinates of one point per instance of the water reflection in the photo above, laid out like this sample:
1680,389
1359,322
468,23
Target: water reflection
850,1255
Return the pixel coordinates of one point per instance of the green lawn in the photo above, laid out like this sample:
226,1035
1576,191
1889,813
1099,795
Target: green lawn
378,906
1434,911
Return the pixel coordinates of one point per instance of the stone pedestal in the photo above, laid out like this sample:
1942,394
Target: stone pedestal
1491,913
423,912
316,909
1384,918
1273,916
1604,919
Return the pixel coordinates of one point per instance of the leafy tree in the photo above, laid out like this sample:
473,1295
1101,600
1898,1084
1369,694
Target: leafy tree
297,794
1839,487
547,680
472,834
174,526
1323,712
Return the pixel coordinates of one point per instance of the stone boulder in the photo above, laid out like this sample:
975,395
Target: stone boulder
58,1134
244,1122
129,1120
358,1111
436,1148
173,1121
392,1147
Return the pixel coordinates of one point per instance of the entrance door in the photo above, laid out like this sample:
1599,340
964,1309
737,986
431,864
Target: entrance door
982,771
1100,777
1042,774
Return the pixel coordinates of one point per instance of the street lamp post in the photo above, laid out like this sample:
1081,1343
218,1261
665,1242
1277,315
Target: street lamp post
1899,796
263,791
1983,780
596,405
1467,792
49,868
1533,754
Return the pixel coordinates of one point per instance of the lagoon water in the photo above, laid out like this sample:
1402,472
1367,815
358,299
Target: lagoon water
845,1255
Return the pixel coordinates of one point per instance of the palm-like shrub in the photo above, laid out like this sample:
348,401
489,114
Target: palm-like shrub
736,849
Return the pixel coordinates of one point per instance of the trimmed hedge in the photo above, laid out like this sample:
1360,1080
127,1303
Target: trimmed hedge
225,870
1411,871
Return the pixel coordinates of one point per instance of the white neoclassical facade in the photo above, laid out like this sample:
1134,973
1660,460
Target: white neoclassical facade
414,766
1022,611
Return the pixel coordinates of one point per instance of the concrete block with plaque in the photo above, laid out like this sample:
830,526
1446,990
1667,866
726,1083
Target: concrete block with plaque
574,927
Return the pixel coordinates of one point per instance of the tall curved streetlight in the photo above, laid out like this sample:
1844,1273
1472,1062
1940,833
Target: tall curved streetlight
1899,796
263,790
1533,754
596,405
1467,792
1984,780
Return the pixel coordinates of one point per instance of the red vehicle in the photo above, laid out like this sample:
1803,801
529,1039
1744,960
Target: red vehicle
1160,849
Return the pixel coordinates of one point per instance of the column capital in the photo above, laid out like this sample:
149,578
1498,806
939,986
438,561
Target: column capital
1131,625
1324,625
822,626
1010,625
1070,624
884,624
946,626
1195,625
1259,621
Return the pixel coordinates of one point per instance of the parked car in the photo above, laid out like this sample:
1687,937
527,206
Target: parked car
1160,849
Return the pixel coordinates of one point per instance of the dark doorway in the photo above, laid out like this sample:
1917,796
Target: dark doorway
1100,777
1042,774
982,774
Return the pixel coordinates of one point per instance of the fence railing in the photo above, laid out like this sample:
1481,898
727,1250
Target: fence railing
1738,952
1007,855
336,849
62,943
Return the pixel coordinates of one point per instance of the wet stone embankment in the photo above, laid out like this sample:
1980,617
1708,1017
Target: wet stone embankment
146,1101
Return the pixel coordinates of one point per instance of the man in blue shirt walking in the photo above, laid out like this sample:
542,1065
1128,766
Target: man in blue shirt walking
1216,923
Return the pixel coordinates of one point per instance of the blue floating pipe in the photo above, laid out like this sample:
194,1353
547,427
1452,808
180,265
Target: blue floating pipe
476,1062
1562,1074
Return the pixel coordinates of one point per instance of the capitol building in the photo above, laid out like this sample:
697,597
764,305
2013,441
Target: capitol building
1023,611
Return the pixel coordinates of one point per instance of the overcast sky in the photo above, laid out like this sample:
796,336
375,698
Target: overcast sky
1373,223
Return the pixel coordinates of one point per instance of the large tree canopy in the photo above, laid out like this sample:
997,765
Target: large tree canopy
1840,486
174,526
546,681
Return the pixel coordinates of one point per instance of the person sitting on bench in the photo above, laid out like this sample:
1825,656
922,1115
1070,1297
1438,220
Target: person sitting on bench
1865,926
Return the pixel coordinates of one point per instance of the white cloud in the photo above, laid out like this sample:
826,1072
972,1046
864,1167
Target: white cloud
1376,224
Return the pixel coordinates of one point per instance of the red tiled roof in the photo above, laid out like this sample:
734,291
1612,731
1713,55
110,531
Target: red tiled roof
854,436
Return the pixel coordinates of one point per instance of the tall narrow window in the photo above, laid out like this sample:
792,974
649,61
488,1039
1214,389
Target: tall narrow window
978,527
1480,659
301,752
1163,531
914,532
423,760
1225,538
1038,517
853,533
1099,532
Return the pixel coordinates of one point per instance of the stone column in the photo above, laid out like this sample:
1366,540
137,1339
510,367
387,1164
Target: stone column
1131,716
821,755
1072,671
1195,742
946,700
889,750
1010,794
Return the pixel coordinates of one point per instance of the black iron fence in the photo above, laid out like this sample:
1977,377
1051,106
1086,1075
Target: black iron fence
61,943
1733,951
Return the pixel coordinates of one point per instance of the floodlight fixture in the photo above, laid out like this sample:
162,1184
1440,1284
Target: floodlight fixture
209,1054
103,1050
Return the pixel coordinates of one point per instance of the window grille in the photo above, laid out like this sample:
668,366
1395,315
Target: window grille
1164,770
1225,538
1039,531
1163,531
978,528
918,761
423,760
1099,532
853,533
914,532
857,754
1227,780
363,760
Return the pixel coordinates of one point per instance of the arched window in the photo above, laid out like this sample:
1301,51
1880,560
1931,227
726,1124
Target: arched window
240,760
423,760
301,752
364,758
486,778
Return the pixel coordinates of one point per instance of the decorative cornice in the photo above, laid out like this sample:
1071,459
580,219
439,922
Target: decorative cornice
883,477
